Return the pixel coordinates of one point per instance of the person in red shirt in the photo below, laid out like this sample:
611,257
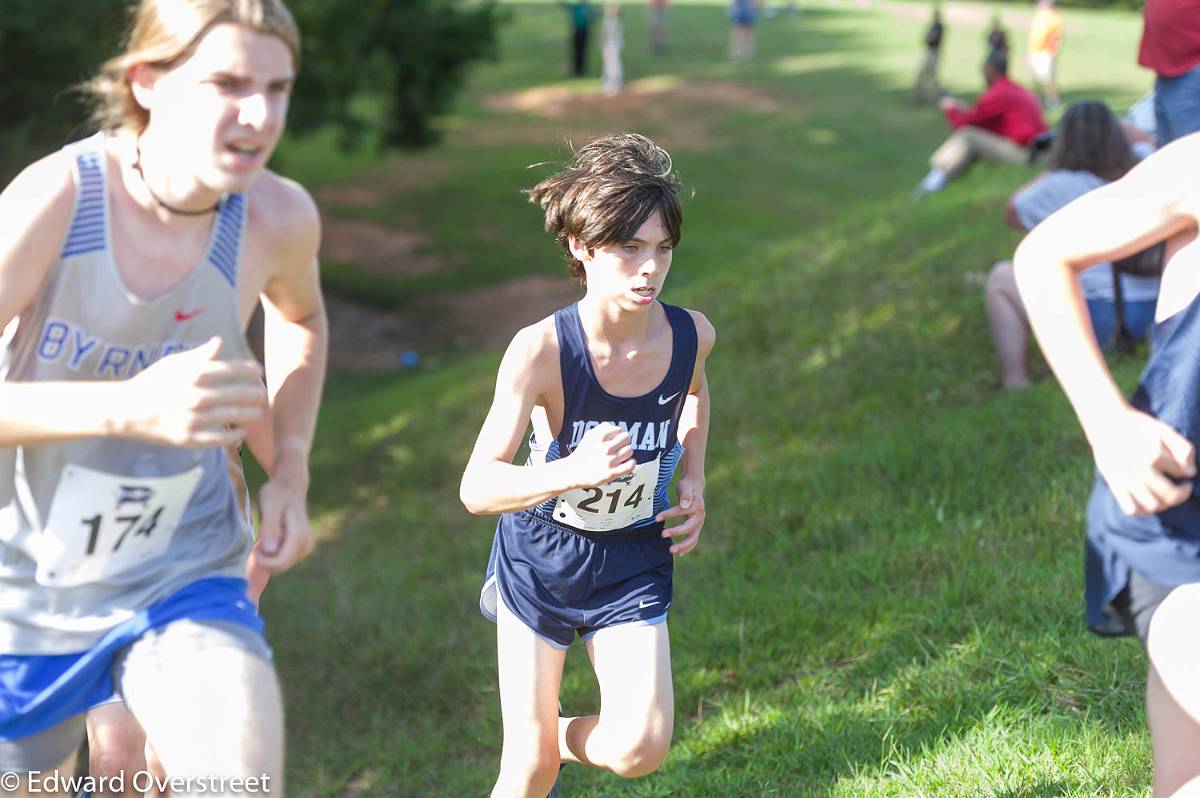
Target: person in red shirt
1171,47
1001,125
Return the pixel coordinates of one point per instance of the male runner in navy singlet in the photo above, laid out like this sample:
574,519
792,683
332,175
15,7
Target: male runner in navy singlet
1143,518
615,390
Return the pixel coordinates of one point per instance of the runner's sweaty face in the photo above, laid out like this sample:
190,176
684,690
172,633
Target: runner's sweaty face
631,272
223,107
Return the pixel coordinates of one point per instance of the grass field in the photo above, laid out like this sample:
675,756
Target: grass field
887,599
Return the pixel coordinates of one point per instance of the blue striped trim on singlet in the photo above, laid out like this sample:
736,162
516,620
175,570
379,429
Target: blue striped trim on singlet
87,232
666,471
552,453
224,251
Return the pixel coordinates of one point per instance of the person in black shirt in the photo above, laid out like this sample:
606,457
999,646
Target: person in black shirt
926,89
997,38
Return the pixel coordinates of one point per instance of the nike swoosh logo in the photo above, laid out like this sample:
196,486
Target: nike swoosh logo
181,316
662,400
643,604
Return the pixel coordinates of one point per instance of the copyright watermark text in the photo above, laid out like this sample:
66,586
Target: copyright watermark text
51,782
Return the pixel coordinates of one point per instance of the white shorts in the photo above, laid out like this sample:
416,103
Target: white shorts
1042,66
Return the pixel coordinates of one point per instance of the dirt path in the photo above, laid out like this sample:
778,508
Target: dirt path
685,114
688,114
367,339
363,338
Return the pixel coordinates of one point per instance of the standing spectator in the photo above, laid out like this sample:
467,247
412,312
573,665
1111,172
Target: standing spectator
1091,149
658,26
742,16
997,38
999,127
610,49
1045,39
927,86
1171,47
581,22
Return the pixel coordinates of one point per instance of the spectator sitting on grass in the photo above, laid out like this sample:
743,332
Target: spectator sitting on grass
999,127
1091,149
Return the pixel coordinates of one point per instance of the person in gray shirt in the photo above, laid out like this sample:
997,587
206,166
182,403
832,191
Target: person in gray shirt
1090,150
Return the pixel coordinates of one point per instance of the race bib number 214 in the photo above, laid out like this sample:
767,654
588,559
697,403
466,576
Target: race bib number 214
614,505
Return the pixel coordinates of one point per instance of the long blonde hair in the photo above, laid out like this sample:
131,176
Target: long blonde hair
162,32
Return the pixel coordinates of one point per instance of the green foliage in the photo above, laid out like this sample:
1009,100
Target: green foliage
403,59
47,47
410,56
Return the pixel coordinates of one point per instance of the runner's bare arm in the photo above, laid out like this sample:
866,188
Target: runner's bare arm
693,424
296,334
693,434
1155,201
260,442
35,211
491,483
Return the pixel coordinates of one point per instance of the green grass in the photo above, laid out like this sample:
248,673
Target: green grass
887,599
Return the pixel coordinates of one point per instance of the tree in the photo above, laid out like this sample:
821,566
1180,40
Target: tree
410,56
405,59
47,47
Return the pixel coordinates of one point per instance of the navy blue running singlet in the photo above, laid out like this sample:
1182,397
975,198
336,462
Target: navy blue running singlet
1164,547
595,557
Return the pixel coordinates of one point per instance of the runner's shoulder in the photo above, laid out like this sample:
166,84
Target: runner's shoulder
40,198
706,334
285,212
1168,158
35,211
1164,177
533,353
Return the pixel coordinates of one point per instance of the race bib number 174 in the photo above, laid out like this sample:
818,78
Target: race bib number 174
101,524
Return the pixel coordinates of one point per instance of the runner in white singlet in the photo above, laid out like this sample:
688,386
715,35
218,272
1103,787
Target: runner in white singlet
130,263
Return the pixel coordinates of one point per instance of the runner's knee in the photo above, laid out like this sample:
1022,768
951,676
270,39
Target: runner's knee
1172,628
1001,280
115,742
110,760
643,752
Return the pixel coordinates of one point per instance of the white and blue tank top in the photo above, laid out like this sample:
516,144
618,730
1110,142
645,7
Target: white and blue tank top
94,529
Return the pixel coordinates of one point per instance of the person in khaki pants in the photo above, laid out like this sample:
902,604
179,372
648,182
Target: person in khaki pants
1000,127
